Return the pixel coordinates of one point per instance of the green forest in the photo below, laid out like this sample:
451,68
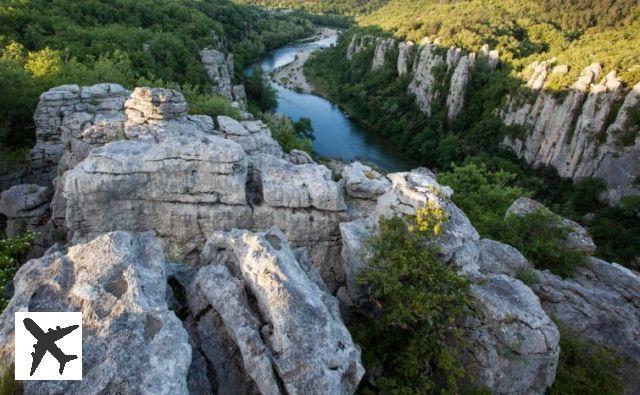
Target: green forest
45,43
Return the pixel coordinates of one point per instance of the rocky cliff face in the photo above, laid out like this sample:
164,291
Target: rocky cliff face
268,238
589,131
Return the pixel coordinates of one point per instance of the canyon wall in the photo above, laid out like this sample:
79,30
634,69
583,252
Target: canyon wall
589,130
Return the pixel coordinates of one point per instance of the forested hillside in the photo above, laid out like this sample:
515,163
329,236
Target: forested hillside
48,43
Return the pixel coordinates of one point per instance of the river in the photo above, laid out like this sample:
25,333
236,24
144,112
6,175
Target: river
336,135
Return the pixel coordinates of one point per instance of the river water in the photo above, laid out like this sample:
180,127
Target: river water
336,135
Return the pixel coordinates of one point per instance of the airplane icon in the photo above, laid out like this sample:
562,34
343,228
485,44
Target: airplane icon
47,342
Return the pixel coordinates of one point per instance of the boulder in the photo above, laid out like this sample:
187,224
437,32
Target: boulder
578,237
513,343
600,303
500,258
263,307
363,186
298,157
132,342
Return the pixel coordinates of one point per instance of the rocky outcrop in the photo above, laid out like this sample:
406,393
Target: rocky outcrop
406,53
183,187
133,343
55,128
253,136
271,312
513,343
217,69
425,84
362,186
601,303
27,208
383,49
358,43
577,237
575,133
457,89
307,205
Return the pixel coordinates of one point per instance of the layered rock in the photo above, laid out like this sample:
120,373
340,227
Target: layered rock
27,208
574,133
253,136
133,343
383,48
87,105
183,187
307,205
268,310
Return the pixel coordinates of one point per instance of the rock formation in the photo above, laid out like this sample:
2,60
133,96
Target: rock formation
383,48
217,69
509,332
459,81
133,342
54,128
425,84
585,133
406,52
284,325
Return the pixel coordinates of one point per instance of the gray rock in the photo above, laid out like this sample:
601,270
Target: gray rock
383,48
298,157
500,258
287,330
54,108
354,236
424,84
578,237
361,181
406,53
253,136
600,303
459,81
514,345
118,282
218,71
183,188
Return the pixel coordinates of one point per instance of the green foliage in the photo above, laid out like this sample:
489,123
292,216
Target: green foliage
304,128
259,91
483,195
540,237
528,276
12,252
8,384
284,132
585,367
47,43
209,105
407,326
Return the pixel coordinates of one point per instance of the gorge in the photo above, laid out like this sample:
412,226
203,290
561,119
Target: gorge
460,223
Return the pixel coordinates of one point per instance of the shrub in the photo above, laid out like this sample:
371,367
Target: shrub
284,132
585,367
12,252
540,237
407,324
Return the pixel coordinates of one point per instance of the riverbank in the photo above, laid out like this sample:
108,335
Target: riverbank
291,75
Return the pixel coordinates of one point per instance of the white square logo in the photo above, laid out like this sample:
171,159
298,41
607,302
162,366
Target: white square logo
48,346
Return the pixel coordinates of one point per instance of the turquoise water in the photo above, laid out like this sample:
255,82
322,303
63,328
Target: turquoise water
336,135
